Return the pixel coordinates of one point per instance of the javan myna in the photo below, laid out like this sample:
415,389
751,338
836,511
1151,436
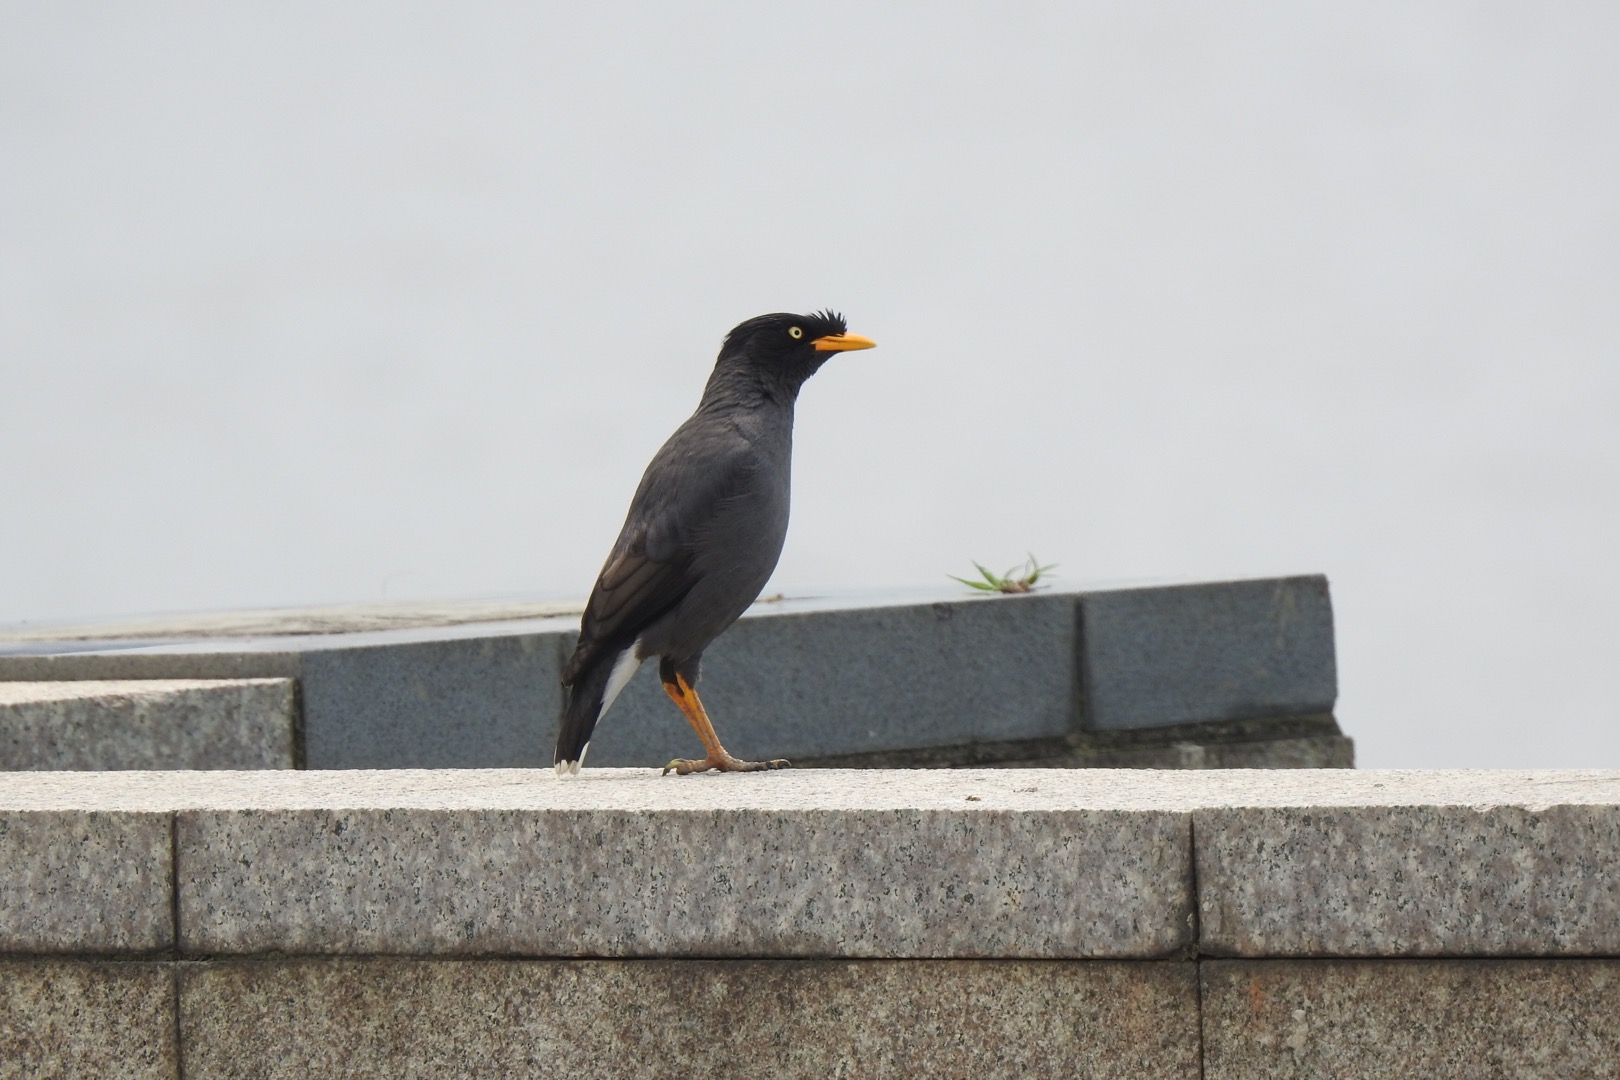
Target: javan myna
703,534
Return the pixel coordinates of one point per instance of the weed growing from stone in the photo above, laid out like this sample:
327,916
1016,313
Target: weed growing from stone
1019,579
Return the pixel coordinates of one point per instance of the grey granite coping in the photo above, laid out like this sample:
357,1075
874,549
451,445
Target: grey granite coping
867,679
863,673
448,696
149,724
646,789
1426,880
848,882
283,622
627,863
1209,651
624,865
85,880
1413,864
1033,863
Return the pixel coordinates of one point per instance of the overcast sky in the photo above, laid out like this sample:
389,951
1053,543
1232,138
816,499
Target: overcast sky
306,303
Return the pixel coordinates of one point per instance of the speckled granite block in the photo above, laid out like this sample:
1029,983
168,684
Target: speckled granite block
1437,880
680,1019
846,676
464,703
864,680
1438,1019
447,696
771,880
87,881
148,724
859,863
73,1019
1229,650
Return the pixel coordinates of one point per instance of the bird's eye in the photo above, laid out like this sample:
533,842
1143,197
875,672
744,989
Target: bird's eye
795,333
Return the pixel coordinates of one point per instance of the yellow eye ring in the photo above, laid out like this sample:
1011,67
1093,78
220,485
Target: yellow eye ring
795,333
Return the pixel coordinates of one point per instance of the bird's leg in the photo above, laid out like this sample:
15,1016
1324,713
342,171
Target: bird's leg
715,756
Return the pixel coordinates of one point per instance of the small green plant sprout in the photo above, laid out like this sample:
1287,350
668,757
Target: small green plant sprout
1019,579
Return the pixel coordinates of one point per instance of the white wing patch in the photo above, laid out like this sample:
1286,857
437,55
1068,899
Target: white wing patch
624,668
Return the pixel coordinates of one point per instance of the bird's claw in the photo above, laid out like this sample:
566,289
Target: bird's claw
685,766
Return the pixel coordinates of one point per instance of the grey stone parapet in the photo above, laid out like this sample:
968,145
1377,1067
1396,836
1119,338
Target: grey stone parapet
1106,922
149,724
1196,675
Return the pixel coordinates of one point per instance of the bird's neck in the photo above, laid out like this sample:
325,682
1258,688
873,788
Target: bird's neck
736,386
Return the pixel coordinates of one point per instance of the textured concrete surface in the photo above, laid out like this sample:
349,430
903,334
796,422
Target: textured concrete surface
85,881
1437,880
150,724
1441,1020
680,1019
1218,651
73,1019
806,684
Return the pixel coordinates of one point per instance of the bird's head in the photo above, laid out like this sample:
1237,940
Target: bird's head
789,348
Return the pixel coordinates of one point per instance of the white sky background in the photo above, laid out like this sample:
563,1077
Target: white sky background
307,303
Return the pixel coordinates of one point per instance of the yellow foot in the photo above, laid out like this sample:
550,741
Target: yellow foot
725,763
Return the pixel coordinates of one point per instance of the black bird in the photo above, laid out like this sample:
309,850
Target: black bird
703,534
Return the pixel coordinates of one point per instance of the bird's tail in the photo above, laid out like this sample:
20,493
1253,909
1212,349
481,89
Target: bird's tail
590,695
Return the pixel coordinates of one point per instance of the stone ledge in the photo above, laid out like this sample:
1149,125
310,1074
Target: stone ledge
458,696
902,673
149,724
1230,650
1425,880
960,863
277,874
85,880
839,882
622,863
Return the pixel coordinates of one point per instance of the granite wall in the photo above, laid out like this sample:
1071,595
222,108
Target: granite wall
1199,675
822,923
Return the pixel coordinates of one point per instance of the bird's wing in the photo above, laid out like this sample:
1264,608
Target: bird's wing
688,484
633,591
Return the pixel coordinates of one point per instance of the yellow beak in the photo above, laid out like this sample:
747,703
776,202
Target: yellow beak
842,343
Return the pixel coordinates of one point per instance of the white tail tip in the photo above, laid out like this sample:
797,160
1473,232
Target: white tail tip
571,768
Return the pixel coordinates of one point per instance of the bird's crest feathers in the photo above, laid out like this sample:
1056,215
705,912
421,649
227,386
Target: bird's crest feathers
816,324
